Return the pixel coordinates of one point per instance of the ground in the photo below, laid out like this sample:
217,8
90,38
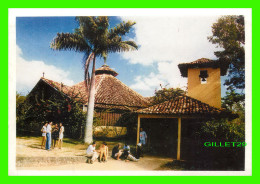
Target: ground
30,156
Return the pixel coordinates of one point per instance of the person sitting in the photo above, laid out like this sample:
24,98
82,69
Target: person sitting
103,152
139,151
126,151
116,153
92,154
127,155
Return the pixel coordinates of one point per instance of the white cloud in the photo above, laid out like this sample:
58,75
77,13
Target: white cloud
168,75
28,73
166,42
177,39
147,83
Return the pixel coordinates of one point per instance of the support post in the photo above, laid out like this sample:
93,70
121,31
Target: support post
179,139
138,130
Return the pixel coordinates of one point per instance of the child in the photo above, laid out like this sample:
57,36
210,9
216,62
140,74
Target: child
103,152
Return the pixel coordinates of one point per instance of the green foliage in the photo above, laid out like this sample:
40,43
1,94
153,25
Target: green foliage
165,94
129,120
22,108
223,130
94,36
233,101
58,108
229,34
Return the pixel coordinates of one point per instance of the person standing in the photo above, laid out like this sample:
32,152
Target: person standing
48,136
91,152
61,135
55,135
43,130
143,137
103,152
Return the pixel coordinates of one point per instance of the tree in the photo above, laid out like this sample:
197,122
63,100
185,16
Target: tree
94,38
233,100
165,94
21,109
229,34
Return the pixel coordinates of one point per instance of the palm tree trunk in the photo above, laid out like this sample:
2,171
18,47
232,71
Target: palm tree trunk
90,111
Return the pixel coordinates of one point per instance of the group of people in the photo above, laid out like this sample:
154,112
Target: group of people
117,153
93,154
52,135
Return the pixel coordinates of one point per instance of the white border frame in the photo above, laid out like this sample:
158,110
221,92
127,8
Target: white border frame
13,13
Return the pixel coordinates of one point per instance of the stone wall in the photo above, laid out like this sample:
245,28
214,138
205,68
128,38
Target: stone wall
109,131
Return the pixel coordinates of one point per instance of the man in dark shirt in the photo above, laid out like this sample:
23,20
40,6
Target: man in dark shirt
116,153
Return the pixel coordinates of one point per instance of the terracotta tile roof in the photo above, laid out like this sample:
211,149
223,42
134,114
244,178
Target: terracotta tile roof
110,92
182,105
201,61
105,69
58,86
204,63
118,107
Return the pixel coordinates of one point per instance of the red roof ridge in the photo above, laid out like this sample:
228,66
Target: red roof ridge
100,81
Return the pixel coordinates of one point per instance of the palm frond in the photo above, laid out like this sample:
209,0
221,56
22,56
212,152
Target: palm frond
102,23
122,46
70,41
132,44
88,28
121,29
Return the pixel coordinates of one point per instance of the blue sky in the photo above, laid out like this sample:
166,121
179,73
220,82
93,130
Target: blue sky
164,42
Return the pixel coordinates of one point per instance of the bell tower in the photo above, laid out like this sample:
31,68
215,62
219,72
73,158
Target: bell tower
204,82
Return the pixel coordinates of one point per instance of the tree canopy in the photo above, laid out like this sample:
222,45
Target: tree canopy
229,34
165,94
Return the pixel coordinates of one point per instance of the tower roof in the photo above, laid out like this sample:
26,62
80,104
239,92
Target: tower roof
204,63
105,69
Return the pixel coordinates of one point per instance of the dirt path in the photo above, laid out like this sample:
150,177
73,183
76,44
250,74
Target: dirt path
146,163
32,157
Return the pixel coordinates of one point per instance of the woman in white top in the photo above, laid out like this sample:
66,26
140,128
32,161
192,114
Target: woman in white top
43,130
61,135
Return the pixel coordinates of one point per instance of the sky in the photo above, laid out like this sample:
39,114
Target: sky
164,42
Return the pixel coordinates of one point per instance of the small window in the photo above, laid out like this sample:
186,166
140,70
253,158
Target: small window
203,76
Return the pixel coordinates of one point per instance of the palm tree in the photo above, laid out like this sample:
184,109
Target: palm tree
94,38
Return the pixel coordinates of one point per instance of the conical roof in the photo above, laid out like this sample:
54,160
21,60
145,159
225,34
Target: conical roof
110,92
